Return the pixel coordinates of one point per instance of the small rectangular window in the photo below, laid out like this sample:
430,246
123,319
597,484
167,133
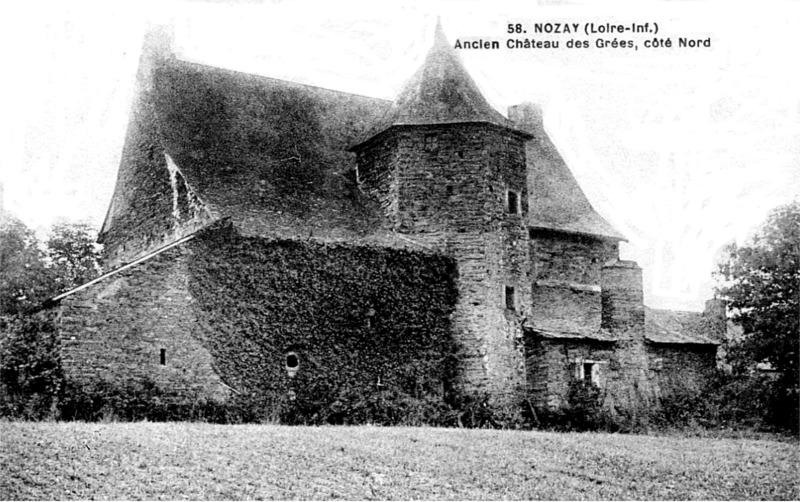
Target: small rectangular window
587,372
163,357
510,304
513,202
431,142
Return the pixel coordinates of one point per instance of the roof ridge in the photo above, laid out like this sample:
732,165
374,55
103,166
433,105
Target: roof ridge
276,79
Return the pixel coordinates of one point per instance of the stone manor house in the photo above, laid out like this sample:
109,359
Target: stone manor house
271,237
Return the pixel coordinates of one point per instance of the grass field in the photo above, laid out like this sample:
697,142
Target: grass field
202,461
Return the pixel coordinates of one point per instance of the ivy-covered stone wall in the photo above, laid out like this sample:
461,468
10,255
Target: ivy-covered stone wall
355,325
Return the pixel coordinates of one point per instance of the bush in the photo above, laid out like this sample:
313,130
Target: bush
584,410
388,407
739,401
30,367
134,401
478,410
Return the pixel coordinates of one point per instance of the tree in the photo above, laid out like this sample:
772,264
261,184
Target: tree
73,254
762,286
25,279
30,366
30,273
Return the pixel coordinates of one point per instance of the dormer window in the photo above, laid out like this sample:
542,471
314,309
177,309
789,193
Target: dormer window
512,202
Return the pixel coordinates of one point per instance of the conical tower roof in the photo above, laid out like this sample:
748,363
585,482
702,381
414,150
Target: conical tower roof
441,92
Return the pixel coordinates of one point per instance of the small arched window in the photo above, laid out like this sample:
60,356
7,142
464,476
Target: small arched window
292,363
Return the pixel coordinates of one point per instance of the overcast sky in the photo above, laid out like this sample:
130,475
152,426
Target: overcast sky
682,150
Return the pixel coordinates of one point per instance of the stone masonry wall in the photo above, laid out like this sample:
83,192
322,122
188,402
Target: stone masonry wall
623,316
681,367
627,386
622,299
377,176
446,186
622,360
566,279
559,256
115,330
552,366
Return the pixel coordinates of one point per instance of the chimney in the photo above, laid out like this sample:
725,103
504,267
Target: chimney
527,117
159,40
157,49
716,317
622,297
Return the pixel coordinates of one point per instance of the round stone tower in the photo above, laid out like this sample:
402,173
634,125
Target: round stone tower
450,172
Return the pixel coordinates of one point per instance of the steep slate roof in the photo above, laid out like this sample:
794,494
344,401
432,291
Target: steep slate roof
440,92
572,332
557,201
660,326
268,148
269,154
673,326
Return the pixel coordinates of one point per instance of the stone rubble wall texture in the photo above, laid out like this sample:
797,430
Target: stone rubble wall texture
680,368
566,279
625,375
552,366
114,331
623,314
622,299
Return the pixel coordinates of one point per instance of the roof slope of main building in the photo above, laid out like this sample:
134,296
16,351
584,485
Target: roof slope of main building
272,156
